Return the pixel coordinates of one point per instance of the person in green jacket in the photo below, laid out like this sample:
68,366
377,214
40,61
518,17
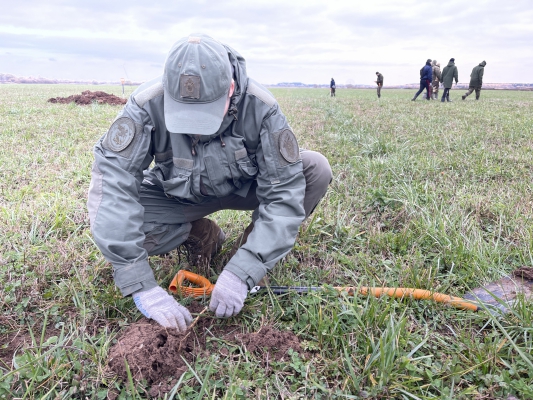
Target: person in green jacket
379,82
449,73
476,80
217,140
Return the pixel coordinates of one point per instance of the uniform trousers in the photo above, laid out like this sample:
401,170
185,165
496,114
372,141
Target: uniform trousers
167,221
471,89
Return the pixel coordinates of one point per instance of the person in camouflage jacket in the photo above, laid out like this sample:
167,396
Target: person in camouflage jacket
436,79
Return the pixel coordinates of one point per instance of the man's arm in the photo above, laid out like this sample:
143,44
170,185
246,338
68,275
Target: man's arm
114,209
280,191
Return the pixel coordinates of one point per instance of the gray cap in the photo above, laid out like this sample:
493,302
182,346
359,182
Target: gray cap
196,81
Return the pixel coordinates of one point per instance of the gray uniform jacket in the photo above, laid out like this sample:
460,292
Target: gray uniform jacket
254,143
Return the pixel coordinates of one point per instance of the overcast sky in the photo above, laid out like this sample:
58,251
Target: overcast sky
283,41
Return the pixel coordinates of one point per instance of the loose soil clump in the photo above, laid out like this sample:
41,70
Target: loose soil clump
524,273
87,97
157,355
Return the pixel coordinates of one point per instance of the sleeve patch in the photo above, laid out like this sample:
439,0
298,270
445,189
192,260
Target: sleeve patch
120,135
288,146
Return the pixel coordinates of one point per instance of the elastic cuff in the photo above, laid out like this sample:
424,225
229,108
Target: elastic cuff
250,276
133,278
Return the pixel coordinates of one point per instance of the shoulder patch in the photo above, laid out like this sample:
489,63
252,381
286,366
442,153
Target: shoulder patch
288,146
261,93
120,134
148,94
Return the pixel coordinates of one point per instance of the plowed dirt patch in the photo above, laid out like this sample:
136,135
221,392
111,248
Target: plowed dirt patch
157,355
524,273
88,97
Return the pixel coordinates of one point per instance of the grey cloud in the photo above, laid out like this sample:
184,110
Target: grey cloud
96,48
426,18
159,15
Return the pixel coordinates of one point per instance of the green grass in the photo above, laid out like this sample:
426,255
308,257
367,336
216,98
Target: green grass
425,194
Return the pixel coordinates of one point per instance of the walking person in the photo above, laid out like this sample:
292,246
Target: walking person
436,79
426,76
449,73
219,140
476,80
379,82
332,87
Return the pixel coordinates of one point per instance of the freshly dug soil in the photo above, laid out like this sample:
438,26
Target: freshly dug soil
88,97
524,273
154,353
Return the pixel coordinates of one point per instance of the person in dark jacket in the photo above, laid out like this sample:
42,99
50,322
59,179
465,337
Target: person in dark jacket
476,80
449,73
379,82
332,87
426,76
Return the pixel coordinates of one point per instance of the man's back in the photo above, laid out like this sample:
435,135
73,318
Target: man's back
476,77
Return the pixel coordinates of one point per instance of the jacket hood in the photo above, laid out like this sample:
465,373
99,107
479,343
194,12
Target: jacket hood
434,62
239,73
451,63
482,63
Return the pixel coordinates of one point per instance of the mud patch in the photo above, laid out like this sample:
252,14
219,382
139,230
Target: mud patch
524,273
159,356
268,343
16,340
505,292
87,97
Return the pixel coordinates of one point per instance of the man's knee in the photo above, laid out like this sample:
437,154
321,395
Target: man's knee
163,238
317,170
318,176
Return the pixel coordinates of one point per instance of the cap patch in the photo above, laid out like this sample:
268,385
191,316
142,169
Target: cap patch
195,39
288,146
189,86
120,134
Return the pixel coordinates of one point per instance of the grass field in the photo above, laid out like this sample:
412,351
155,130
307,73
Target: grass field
425,194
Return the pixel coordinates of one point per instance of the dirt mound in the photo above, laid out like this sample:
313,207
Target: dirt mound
88,97
524,273
154,353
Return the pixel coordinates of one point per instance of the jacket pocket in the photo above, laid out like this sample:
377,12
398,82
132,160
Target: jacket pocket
218,176
244,168
177,177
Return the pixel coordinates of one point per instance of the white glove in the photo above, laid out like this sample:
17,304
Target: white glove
163,308
228,296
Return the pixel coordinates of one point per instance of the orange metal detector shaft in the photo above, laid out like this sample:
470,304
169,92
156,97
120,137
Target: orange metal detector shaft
418,294
205,288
